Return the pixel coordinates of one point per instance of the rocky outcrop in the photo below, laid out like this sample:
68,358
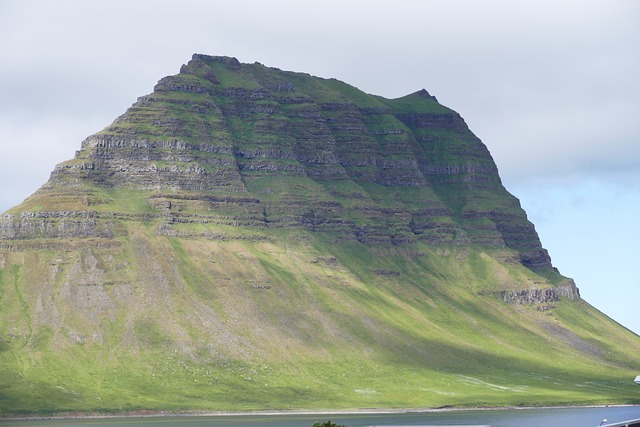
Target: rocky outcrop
51,225
566,290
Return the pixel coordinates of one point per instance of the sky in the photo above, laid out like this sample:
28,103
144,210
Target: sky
551,87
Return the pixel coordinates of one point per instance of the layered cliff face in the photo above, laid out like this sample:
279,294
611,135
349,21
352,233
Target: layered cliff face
251,238
259,147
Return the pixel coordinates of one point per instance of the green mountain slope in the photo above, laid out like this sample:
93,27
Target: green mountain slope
248,238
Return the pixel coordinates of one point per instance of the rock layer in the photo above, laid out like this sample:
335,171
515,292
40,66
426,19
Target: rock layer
248,145
566,290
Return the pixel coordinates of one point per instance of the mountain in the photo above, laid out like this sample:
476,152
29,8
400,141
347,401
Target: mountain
250,238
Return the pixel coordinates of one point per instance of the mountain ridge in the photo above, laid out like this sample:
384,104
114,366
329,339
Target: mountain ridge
247,238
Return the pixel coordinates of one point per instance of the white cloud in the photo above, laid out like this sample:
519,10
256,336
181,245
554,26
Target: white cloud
31,149
550,87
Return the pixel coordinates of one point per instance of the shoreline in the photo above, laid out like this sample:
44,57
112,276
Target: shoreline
367,411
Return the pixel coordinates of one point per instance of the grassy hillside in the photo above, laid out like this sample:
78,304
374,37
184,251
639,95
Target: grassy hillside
292,321
248,238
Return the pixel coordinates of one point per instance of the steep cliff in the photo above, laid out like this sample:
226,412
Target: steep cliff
246,237
272,149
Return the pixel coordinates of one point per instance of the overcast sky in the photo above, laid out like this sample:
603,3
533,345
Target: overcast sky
552,87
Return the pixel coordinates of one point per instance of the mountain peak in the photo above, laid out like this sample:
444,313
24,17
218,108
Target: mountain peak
219,127
423,93
247,238
227,60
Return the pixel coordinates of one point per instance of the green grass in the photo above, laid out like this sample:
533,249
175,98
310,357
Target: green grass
355,95
235,78
322,335
334,335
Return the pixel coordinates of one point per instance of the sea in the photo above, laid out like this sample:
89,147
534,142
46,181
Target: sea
538,417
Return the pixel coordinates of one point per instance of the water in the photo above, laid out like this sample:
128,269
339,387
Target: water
556,417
